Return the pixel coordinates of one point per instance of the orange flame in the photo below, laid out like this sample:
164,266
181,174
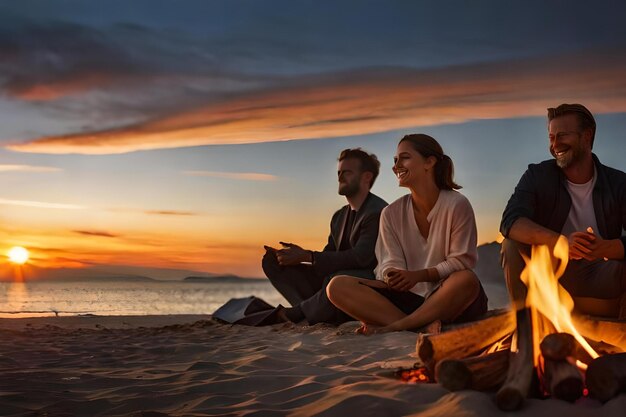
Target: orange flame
547,297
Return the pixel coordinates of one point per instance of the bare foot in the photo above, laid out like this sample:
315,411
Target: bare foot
281,316
432,328
368,329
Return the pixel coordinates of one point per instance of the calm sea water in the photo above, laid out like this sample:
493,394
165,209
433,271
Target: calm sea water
120,298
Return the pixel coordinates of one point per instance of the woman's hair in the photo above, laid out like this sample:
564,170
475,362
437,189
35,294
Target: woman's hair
444,168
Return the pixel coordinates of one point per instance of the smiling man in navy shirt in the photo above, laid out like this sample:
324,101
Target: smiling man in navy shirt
575,196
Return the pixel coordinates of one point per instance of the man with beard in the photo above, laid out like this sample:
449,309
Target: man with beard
301,275
575,196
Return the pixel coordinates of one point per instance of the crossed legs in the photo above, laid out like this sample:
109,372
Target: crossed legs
358,298
305,290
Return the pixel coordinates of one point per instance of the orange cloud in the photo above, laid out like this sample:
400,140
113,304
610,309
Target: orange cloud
95,233
244,176
152,212
368,102
40,204
27,168
170,213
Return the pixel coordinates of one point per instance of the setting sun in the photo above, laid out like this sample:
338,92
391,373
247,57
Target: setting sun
18,255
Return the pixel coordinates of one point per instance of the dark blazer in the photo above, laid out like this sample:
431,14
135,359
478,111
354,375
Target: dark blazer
362,239
541,196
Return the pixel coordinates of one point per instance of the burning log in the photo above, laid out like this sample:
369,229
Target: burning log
563,380
482,373
606,376
603,348
561,346
519,377
602,330
558,346
466,339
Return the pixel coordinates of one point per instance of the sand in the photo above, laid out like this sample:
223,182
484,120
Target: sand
193,366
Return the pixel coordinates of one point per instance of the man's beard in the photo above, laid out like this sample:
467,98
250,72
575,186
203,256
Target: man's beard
349,189
574,154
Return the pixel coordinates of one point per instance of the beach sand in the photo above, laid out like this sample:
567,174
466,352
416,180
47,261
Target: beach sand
194,366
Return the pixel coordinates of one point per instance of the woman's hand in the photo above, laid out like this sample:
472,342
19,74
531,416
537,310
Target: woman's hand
402,280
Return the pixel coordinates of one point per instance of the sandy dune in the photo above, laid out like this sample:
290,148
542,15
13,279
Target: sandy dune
193,366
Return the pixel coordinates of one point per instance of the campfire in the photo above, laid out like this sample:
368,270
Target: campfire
540,351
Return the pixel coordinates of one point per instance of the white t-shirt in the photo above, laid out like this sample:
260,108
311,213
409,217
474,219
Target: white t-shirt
451,243
582,214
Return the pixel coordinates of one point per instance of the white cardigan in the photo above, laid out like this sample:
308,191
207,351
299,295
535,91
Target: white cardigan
451,243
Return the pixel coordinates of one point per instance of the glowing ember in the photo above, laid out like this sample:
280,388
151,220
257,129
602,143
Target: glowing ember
414,375
581,365
547,297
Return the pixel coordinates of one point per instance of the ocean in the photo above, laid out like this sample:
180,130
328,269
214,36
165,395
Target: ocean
33,299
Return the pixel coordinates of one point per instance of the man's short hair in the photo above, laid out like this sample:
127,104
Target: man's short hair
369,161
585,118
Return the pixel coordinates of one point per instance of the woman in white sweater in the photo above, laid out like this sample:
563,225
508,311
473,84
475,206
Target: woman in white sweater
426,250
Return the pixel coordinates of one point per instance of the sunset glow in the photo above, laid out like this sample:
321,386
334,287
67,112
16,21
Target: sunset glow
185,139
18,255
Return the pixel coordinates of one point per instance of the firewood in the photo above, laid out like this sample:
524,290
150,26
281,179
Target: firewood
481,373
558,346
563,380
606,376
466,339
562,346
519,377
604,330
602,348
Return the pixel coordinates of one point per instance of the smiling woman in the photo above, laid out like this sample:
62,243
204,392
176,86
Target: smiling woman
18,255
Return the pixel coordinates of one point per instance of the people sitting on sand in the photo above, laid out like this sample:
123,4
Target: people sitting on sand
426,250
301,275
575,196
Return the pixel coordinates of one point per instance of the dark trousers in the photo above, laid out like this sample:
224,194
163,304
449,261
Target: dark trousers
300,285
597,287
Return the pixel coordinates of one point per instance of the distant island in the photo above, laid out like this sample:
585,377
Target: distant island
226,279
112,273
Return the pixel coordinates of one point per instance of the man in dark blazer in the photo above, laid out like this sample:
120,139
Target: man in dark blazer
301,275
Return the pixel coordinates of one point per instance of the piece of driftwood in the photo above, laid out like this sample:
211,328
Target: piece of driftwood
612,332
465,340
562,380
603,348
606,376
482,373
520,373
558,346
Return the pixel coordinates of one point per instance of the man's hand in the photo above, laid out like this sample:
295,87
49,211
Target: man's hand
292,254
580,245
587,245
402,280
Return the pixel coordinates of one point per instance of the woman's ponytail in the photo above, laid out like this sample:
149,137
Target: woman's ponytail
444,174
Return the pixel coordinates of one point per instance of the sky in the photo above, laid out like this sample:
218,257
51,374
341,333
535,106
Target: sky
186,135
